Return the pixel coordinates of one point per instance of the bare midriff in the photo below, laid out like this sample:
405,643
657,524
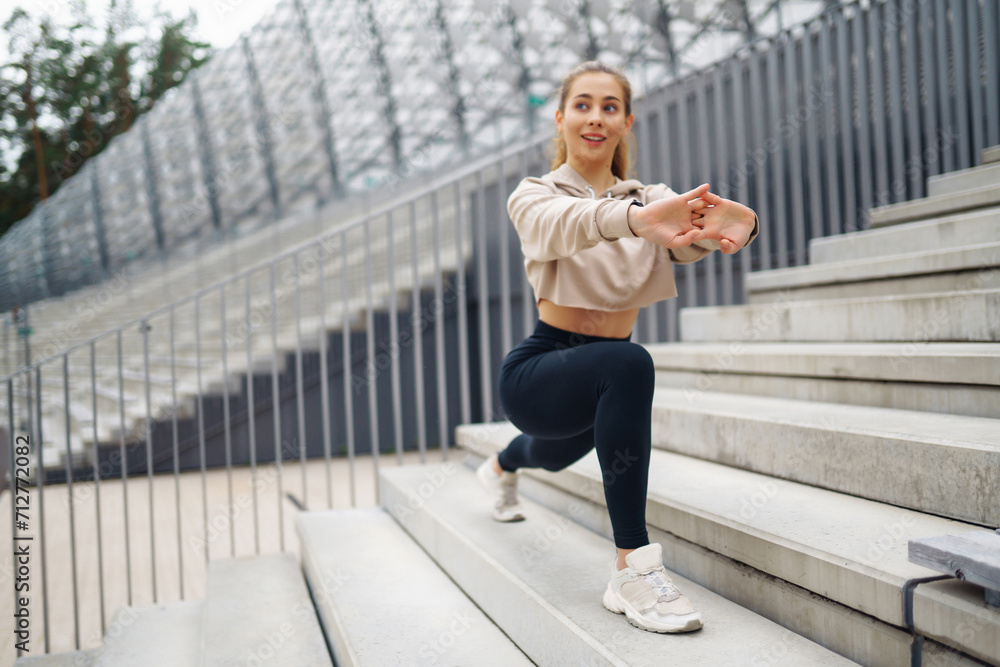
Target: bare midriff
607,324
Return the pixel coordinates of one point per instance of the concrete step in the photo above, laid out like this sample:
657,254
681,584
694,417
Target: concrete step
972,316
952,378
358,562
808,557
160,635
257,608
167,635
951,231
846,448
965,268
931,283
991,155
932,207
964,179
542,581
69,659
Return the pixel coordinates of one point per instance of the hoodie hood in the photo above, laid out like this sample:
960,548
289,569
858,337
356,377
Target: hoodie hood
569,180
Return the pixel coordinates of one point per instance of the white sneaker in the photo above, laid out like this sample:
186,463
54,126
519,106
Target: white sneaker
504,488
647,596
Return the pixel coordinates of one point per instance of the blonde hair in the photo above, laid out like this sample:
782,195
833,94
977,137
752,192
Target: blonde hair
620,164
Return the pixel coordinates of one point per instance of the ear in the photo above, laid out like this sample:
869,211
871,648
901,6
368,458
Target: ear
559,117
629,121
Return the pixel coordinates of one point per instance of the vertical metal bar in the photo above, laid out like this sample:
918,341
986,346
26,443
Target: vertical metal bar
879,104
175,435
418,339
722,143
485,365
974,82
300,405
252,419
14,490
793,79
864,120
324,376
348,364
69,496
812,135
915,163
830,142
149,452
397,400
891,33
991,65
463,318
41,504
527,293
776,175
201,421
262,119
741,190
370,365
690,270
152,183
124,468
504,233
705,162
97,479
932,130
945,81
276,407
226,426
643,128
759,113
845,80
440,320
961,79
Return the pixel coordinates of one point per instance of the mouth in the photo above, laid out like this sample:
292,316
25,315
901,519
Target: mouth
593,139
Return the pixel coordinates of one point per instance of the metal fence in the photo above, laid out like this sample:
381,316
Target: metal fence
855,109
323,98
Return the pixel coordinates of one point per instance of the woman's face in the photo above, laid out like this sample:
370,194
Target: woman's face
594,120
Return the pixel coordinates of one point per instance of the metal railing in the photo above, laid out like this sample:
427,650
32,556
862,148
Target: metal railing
286,361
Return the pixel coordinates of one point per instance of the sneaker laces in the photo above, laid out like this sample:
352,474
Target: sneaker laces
662,585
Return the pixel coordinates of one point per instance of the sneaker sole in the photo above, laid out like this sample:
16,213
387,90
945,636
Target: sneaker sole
688,623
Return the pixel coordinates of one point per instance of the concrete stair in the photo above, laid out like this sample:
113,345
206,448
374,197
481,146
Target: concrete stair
384,601
540,582
827,565
964,190
940,377
255,609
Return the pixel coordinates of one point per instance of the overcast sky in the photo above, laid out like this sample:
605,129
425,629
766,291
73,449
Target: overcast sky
220,22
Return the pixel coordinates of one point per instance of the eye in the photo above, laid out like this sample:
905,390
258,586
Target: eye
611,107
580,104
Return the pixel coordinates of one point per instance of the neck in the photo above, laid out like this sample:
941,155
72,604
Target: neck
598,175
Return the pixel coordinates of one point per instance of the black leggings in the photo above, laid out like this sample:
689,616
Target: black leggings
569,392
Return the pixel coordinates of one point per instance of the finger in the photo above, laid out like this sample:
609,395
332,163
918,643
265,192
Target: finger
728,247
697,204
712,198
697,192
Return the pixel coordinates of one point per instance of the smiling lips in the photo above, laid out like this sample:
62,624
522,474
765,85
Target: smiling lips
595,139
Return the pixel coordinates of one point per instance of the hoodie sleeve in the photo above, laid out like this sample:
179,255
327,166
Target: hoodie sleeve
553,226
698,249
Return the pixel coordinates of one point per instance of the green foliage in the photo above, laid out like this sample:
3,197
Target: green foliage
66,91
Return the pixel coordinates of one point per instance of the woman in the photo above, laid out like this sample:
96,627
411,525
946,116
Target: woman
598,247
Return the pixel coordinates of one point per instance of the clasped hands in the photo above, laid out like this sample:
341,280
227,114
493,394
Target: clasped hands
696,215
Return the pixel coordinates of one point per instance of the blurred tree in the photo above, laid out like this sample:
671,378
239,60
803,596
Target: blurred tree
65,92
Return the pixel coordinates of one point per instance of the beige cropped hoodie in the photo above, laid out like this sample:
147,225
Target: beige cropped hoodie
579,250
